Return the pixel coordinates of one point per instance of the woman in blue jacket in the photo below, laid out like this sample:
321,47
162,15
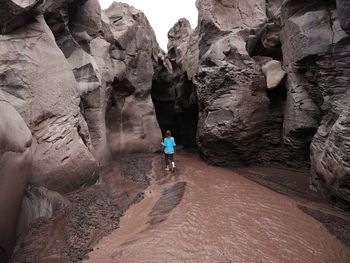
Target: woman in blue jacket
169,150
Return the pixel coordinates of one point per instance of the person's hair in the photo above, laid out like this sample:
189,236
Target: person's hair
168,133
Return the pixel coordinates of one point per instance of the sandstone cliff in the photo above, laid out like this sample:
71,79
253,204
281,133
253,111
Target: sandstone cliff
80,78
272,85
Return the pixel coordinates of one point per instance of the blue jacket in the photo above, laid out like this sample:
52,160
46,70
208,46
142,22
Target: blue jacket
169,144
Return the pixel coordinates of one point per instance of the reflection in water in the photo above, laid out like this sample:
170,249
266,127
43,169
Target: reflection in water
222,217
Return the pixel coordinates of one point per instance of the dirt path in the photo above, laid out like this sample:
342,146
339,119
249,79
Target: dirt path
209,214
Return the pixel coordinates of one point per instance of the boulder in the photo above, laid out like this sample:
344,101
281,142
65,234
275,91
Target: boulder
274,73
46,96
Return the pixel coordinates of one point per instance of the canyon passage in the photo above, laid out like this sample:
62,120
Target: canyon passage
256,96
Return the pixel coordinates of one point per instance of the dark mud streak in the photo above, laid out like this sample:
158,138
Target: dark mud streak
94,213
293,183
170,198
337,226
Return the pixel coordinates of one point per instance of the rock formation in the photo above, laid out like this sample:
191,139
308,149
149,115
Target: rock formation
245,118
81,79
257,82
79,69
240,121
15,170
37,80
173,91
131,121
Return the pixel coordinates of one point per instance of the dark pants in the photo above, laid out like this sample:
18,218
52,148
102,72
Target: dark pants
169,158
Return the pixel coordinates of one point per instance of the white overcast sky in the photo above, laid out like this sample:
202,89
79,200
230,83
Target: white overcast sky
162,14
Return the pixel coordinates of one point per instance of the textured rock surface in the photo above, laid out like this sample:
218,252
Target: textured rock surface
16,13
173,92
74,30
78,77
15,167
316,55
343,9
38,202
330,151
239,121
131,118
43,89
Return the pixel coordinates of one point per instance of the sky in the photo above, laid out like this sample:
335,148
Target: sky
162,14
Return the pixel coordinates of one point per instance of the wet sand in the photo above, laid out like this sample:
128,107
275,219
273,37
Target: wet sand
209,214
94,212
138,212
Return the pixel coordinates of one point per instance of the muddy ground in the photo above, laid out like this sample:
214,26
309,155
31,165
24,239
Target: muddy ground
94,212
295,184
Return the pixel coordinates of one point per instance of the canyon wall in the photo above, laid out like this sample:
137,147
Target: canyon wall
240,110
75,86
257,82
272,86
173,91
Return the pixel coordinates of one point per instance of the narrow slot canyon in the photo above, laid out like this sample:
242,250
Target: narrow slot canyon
256,97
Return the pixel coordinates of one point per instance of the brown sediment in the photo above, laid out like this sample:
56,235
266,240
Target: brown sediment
170,198
295,184
221,217
284,180
336,225
199,213
94,213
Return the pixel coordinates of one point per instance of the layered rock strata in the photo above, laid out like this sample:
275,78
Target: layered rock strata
240,122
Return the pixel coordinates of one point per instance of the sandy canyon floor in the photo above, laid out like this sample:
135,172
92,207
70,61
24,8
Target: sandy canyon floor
199,213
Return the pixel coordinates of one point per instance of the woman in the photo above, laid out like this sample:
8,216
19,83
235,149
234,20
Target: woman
169,150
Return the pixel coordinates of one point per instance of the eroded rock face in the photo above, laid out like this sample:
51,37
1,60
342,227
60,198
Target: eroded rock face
38,202
330,153
75,28
239,121
316,55
15,170
343,9
16,13
131,119
43,89
68,68
173,91
79,63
